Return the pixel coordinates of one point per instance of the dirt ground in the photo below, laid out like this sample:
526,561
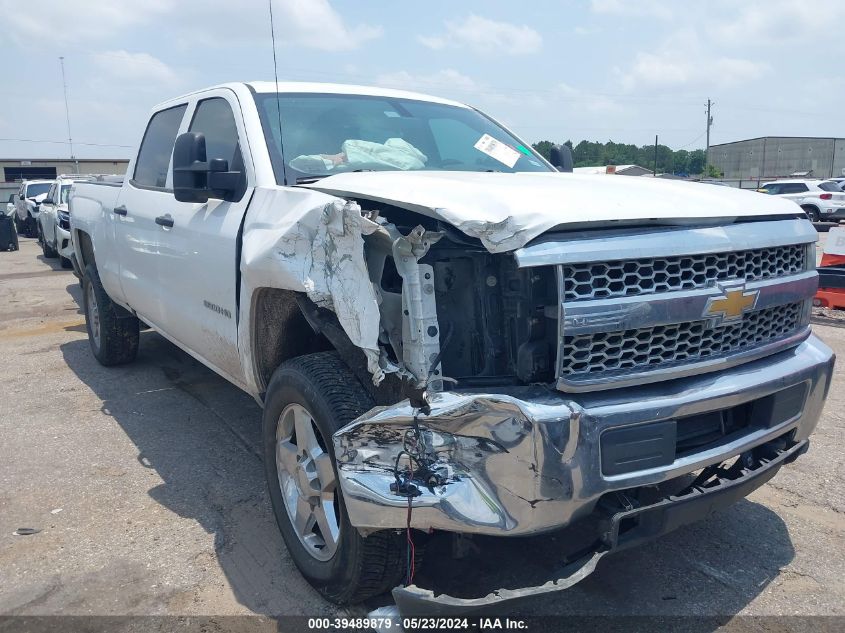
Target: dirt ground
146,484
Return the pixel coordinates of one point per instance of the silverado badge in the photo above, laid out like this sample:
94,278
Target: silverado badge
733,303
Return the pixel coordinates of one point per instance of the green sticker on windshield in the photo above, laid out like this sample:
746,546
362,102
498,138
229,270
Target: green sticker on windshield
524,150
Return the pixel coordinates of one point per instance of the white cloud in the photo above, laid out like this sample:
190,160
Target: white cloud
40,21
439,82
485,36
668,69
774,22
315,24
641,8
135,67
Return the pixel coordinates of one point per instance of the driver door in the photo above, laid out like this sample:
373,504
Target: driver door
199,254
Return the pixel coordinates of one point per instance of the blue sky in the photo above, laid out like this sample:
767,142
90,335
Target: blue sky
601,70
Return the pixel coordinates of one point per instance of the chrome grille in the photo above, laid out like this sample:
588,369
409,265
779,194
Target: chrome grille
585,281
601,355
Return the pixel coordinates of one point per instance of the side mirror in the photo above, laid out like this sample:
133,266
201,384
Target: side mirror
195,178
561,157
47,201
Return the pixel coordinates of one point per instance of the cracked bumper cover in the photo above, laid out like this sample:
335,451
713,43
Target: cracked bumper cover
528,460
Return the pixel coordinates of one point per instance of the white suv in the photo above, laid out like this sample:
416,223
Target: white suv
54,220
821,200
30,195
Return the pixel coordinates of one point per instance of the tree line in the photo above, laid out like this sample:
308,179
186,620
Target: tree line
589,153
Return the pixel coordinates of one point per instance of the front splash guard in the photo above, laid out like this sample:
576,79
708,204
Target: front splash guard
621,529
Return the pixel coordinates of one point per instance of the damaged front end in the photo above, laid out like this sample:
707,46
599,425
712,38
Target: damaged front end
524,393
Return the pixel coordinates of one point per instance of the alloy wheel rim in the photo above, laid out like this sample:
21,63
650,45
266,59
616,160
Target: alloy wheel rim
94,316
307,482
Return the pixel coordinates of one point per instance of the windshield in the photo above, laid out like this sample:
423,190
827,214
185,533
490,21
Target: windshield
829,186
36,189
325,134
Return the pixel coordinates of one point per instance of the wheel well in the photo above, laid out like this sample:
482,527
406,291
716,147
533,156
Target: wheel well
280,332
810,207
86,248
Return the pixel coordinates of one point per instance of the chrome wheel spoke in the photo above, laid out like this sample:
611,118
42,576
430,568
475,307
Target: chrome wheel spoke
307,481
325,472
328,525
303,520
286,456
306,439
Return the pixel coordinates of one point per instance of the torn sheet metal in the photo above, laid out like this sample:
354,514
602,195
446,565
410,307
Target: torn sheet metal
416,601
506,210
420,329
302,240
484,463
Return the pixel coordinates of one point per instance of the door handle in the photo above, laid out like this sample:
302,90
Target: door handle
121,210
164,220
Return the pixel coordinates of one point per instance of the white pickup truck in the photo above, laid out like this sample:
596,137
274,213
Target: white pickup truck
447,334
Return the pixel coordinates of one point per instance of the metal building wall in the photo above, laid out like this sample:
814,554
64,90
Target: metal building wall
777,156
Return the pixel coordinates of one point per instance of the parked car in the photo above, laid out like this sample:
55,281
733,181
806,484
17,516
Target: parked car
840,182
54,220
442,340
820,199
30,195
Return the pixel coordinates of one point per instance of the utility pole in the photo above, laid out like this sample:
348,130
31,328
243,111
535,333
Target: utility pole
67,116
709,123
655,154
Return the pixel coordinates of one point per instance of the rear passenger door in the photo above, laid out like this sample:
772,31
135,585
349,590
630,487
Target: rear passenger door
146,196
200,254
796,191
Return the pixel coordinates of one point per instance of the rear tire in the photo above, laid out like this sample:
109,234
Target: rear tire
112,331
347,567
812,213
66,263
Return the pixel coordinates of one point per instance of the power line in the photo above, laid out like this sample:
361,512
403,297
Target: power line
34,140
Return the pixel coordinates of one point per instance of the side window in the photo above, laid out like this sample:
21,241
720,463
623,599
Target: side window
52,193
214,118
772,189
157,147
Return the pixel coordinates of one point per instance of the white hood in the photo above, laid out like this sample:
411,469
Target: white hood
506,211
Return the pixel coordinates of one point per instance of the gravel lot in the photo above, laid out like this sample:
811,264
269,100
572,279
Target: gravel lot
146,485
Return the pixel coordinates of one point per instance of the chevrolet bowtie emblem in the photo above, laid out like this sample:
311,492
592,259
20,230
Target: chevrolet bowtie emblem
732,305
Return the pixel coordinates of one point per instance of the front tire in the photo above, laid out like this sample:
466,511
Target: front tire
112,332
48,251
308,399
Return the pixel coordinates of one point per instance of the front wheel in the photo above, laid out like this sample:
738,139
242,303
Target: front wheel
112,331
308,399
48,251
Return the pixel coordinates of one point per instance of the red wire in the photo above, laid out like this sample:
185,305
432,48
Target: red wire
412,552
411,545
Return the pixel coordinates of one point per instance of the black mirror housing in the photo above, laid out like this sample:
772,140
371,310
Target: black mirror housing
195,178
561,157
190,181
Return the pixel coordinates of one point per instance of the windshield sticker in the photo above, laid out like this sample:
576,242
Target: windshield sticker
524,150
499,151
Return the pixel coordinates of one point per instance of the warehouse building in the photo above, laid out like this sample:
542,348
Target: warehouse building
770,157
13,170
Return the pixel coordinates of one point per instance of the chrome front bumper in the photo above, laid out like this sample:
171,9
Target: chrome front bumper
528,460
63,241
